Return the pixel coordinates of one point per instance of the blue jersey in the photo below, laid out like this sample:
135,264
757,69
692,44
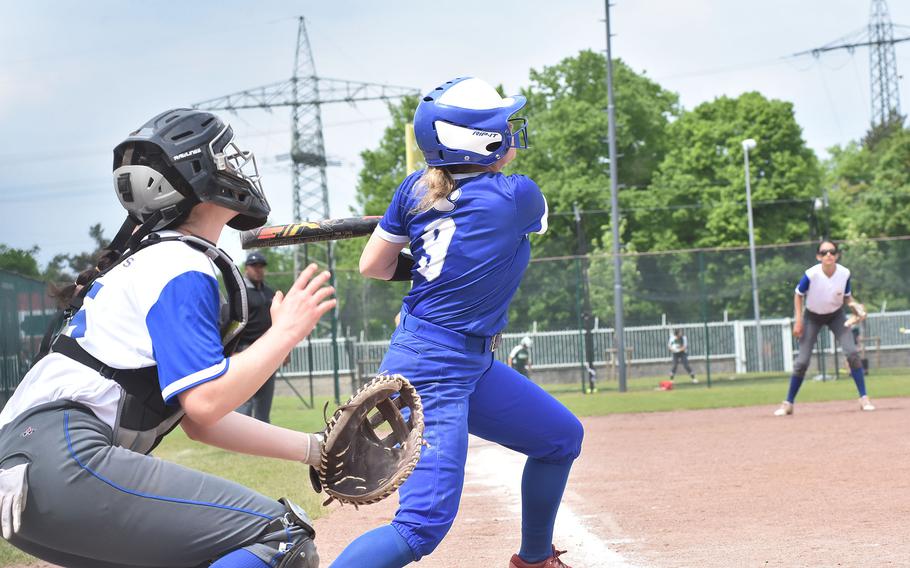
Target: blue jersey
470,249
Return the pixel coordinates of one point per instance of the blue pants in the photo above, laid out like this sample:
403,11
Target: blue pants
464,390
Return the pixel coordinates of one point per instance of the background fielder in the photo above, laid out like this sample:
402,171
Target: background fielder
826,290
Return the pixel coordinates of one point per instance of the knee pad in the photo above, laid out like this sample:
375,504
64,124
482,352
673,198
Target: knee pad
300,553
855,361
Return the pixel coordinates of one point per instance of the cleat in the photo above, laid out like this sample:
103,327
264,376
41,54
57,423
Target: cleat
866,404
786,409
552,562
694,381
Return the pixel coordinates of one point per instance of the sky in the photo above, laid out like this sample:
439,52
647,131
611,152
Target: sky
77,77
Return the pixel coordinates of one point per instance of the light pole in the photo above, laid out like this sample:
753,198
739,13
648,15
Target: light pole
618,332
749,144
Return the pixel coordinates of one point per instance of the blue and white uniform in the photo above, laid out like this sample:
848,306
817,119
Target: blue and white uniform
158,307
471,250
824,294
107,503
824,302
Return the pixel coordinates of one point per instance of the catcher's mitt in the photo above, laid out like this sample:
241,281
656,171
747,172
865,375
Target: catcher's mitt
358,466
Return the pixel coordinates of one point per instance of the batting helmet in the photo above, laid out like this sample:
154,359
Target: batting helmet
527,341
183,157
466,121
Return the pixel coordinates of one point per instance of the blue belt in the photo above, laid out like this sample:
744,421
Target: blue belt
458,341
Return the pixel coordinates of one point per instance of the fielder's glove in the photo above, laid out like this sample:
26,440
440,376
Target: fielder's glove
359,465
859,314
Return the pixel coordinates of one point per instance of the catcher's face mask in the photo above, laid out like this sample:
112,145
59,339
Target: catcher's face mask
231,160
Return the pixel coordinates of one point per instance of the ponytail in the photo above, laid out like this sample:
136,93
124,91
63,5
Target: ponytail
435,183
64,294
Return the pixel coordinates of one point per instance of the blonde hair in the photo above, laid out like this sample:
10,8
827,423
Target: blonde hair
435,183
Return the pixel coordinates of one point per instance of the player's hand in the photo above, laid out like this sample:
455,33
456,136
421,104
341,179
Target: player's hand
798,329
295,314
13,494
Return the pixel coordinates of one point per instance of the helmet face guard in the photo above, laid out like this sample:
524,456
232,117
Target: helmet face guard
465,121
238,170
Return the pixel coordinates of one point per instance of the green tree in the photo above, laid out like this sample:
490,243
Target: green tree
363,304
697,199
870,197
384,168
568,127
568,158
20,261
871,186
698,196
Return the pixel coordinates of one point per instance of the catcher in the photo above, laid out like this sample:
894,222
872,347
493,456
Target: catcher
142,352
826,290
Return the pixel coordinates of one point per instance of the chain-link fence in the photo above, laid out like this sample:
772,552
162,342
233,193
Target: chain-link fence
565,304
25,312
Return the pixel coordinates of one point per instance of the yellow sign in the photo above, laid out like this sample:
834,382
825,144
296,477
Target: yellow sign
413,155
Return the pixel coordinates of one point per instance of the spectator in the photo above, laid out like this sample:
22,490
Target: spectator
259,300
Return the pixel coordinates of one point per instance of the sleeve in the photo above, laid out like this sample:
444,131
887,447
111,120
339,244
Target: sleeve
530,204
803,285
848,290
393,225
685,342
670,343
183,326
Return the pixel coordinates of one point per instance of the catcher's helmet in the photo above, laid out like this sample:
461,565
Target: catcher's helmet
183,157
465,121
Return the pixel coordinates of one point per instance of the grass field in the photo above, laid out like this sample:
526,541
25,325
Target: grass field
277,478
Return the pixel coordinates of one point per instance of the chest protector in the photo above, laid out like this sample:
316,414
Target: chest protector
143,419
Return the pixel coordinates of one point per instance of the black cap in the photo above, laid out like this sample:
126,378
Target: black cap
256,258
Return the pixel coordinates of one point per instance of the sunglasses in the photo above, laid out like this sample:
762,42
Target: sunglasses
832,252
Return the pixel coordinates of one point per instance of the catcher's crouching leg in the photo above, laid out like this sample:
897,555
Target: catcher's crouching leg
291,533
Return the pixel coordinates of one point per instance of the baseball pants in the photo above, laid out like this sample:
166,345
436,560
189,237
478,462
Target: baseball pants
94,505
812,326
465,391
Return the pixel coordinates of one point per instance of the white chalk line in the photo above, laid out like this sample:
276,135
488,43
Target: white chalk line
494,471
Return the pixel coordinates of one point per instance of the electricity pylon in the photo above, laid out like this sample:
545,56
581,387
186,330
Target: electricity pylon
879,37
305,93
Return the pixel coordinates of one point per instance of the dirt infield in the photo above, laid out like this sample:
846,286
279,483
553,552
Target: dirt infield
829,486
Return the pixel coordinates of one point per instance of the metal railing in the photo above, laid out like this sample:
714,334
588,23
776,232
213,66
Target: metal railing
647,344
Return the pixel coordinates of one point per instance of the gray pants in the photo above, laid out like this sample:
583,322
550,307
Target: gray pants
260,405
812,325
678,358
94,505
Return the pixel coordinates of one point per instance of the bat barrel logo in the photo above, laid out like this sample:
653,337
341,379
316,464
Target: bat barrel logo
309,232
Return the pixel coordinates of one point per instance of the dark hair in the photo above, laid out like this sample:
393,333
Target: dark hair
63,294
818,249
677,331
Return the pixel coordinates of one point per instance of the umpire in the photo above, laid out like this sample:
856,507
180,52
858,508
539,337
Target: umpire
259,299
